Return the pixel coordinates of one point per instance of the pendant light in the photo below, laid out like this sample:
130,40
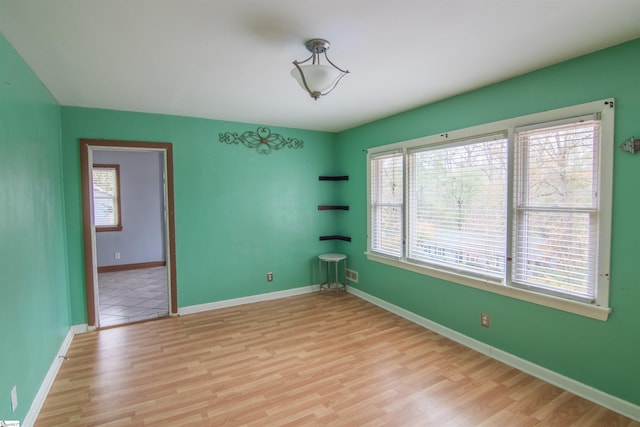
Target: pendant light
316,78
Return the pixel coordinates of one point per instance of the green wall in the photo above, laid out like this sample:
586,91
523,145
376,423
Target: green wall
239,214
604,355
34,301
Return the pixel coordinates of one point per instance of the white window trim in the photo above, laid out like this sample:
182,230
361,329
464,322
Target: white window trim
600,309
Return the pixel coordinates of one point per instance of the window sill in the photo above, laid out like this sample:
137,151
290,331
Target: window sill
579,308
116,228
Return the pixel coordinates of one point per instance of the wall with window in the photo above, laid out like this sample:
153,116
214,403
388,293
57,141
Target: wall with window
601,354
519,207
34,299
141,237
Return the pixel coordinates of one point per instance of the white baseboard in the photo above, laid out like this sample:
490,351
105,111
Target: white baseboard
246,300
616,404
38,400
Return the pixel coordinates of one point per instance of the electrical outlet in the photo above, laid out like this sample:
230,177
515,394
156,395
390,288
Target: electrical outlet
116,255
485,320
269,277
14,399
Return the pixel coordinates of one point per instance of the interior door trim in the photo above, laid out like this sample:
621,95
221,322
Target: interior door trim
89,267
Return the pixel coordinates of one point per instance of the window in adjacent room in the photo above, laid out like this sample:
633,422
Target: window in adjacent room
106,198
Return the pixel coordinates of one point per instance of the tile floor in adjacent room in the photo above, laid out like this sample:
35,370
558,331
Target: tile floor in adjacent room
133,295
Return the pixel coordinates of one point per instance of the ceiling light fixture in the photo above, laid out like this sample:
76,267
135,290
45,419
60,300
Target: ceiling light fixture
316,78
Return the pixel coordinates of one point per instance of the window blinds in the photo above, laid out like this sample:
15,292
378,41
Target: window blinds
555,222
457,205
105,197
387,203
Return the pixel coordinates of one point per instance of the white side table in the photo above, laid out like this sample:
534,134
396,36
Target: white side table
332,261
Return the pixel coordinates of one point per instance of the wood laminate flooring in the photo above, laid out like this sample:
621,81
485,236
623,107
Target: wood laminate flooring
314,359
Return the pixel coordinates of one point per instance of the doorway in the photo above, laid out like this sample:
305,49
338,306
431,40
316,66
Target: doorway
119,295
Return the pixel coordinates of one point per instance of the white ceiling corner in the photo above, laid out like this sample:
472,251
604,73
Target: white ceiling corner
230,60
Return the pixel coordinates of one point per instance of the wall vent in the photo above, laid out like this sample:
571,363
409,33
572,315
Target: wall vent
352,275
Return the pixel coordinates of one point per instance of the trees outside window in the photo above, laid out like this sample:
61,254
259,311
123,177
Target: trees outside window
522,204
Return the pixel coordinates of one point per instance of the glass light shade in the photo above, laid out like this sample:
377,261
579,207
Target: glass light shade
319,77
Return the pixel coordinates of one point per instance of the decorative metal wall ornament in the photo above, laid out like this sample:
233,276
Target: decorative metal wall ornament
262,140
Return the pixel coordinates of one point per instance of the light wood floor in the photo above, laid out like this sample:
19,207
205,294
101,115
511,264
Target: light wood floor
314,359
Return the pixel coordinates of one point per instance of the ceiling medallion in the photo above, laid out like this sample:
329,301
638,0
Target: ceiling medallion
262,140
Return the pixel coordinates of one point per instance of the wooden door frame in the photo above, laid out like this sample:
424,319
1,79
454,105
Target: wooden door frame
87,218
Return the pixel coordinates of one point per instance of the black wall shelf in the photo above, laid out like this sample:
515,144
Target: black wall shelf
336,237
333,178
334,207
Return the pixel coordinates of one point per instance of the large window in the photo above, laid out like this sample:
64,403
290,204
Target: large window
106,198
457,205
519,207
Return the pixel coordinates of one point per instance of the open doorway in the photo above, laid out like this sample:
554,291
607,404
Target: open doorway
130,276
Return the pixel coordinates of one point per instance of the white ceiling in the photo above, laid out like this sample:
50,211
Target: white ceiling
230,59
